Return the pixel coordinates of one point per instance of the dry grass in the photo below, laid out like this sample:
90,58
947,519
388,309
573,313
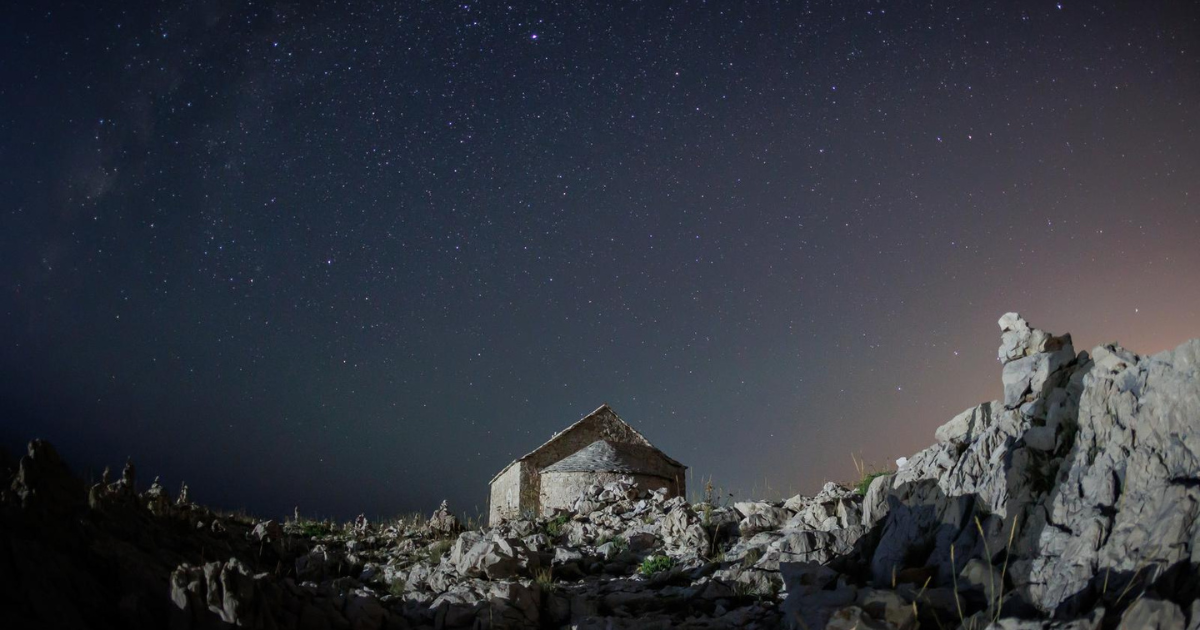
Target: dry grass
954,579
713,495
996,595
476,522
920,595
435,551
1133,580
752,557
721,495
995,591
544,577
866,474
408,521
239,515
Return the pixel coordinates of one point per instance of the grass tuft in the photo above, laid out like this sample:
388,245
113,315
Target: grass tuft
434,552
866,474
555,526
864,484
313,529
544,577
752,557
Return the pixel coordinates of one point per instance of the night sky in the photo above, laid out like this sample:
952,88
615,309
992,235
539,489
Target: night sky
357,257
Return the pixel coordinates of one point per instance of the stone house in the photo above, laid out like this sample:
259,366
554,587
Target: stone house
598,448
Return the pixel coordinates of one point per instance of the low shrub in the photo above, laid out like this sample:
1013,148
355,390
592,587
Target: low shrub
656,564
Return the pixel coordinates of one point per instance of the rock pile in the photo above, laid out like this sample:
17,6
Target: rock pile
1072,502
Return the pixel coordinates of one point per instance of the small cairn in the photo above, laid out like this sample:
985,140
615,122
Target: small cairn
443,523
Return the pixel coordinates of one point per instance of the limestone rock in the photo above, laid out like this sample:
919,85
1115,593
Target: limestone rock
854,618
805,578
641,542
682,531
963,427
921,525
227,590
495,558
266,531
761,520
811,546
874,503
981,577
750,508
1152,614
887,606
1129,499
834,507
318,563
815,609
1089,622
1018,339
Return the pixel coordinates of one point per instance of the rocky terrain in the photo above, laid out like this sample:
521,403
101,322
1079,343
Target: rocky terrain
1072,503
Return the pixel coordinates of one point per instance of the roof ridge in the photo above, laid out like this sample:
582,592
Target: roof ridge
594,413
605,455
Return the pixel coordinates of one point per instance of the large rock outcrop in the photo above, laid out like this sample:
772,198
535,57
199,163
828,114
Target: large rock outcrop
993,465
1081,488
1128,501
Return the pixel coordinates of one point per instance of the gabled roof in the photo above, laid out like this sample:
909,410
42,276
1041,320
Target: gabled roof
605,456
599,410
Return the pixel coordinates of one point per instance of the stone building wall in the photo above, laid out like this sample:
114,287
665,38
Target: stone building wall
505,498
522,478
601,426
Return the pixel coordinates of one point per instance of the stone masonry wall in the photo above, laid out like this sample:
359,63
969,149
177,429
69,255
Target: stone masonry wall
523,479
505,497
602,426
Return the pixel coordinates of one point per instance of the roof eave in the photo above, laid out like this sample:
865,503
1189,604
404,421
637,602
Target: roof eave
573,425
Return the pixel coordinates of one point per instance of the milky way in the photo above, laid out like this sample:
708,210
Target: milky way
358,257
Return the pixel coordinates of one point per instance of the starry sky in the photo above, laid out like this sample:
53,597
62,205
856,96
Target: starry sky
356,257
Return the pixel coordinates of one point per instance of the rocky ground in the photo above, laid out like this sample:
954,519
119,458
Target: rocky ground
1072,503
